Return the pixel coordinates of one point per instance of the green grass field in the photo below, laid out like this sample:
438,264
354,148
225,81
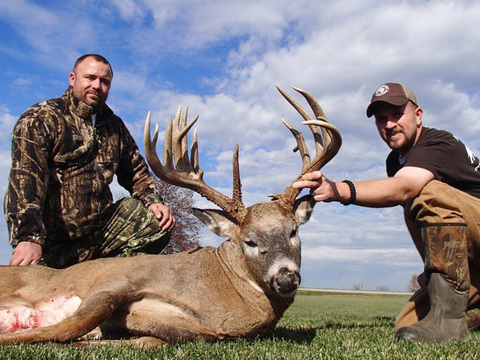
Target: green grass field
317,326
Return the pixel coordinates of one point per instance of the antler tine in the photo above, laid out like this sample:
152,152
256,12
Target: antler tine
194,154
332,145
329,132
167,145
326,149
178,141
187,173
237,185
314,105
301,146
315,131
332,140
176,146
150,153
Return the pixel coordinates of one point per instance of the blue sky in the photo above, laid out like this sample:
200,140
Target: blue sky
223,58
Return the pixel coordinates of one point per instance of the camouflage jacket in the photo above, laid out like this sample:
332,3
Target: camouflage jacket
62,166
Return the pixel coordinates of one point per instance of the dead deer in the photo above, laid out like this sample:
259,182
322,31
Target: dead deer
240,289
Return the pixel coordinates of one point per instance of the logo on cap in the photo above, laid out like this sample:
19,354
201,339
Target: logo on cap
382,90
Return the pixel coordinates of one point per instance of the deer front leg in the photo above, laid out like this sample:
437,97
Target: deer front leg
93,310
145,342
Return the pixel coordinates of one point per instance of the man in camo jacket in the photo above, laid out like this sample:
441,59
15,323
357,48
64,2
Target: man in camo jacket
65,153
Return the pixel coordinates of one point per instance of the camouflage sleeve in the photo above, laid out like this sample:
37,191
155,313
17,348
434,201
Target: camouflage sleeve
28,181
133,173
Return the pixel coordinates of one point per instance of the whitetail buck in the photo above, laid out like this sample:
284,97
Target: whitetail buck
240,289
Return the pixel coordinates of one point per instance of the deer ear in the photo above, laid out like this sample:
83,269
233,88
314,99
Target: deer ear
217,221
303,209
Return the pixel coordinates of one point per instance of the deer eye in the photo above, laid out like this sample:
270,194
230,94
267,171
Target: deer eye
293,233
250,243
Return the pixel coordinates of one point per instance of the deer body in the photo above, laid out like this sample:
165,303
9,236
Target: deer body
240,289
211,293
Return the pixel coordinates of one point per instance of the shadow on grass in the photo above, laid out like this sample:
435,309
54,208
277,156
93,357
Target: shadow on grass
307,334
300,336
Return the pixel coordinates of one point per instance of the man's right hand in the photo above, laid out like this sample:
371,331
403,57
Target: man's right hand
26,253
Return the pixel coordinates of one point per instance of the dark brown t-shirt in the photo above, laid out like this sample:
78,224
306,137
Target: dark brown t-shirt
445,156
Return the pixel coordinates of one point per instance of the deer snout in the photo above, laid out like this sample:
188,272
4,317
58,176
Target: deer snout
286,281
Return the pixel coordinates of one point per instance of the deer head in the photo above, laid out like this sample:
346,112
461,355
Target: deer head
266,233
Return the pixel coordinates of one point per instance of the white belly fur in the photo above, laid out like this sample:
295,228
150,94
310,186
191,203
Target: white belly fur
16,318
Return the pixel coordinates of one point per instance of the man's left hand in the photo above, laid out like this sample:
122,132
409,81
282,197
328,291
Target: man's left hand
163,214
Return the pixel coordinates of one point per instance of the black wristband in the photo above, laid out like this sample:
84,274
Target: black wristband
353,192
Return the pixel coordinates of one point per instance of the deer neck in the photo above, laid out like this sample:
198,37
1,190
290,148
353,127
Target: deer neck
233,261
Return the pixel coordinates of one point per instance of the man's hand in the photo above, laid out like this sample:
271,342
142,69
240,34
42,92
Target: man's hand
322,188
163,214
26,253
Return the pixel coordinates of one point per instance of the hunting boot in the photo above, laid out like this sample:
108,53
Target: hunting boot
446,263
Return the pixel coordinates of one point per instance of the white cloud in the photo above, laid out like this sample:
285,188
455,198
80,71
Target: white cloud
129,10
400,257
7,121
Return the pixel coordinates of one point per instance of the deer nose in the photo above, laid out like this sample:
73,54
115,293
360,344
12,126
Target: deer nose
287,281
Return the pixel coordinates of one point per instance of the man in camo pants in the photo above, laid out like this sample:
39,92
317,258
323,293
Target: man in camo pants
65,153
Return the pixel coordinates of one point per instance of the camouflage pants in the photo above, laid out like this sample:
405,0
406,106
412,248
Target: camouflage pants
130,230
455,215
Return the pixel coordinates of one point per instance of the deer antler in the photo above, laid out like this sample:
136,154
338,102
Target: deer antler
179,170
326,148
